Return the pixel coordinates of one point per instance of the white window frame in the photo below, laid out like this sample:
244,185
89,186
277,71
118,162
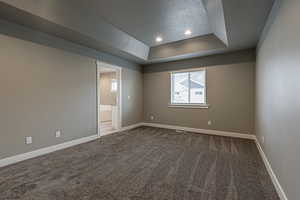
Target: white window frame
188,105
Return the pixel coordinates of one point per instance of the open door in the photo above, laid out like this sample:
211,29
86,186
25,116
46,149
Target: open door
108,98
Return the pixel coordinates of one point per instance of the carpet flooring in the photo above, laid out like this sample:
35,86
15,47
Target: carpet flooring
143,164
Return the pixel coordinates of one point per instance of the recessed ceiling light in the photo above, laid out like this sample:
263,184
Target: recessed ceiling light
188,32
159,39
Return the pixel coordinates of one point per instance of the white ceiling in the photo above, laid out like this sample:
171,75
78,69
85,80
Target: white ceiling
147,19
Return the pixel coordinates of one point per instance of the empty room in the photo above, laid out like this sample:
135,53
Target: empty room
149,100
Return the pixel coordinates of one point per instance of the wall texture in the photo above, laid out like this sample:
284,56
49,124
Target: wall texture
277,94
230,93
107,96
51,17
44,89
241,56
29,34
132,97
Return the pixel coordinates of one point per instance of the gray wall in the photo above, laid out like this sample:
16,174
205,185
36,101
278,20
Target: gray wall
247,55
77,21
107,96
25,33
44,89
278,94
230,92
132,97
183,47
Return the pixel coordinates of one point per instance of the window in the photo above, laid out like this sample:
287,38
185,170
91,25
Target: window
188,88
114,85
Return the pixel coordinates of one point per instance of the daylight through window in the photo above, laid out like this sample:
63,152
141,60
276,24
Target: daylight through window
188,87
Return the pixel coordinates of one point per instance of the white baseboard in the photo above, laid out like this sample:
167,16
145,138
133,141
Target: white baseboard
43,151
204,131
122,129
131,126
46,150
274,178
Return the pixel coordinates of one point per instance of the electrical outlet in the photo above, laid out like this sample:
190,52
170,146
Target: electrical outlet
129,97
28,140
263,139
57,133
209,122
151,117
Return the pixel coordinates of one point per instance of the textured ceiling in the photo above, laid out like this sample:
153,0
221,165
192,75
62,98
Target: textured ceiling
146,19
127,28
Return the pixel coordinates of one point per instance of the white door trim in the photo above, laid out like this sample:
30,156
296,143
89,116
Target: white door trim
119,93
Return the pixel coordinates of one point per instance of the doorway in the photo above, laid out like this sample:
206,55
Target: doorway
109,98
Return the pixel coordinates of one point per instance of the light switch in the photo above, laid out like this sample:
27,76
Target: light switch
57,133
28,140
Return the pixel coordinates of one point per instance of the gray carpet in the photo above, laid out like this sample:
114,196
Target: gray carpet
144,163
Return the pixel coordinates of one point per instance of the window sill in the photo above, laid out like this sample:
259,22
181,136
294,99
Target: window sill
195,106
